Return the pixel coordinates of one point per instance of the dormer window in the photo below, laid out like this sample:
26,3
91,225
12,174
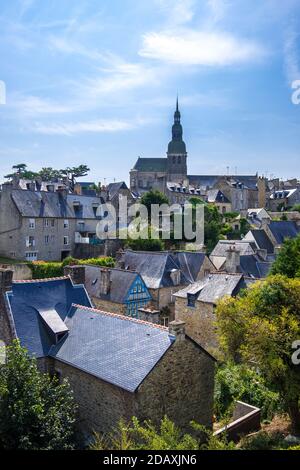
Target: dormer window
191,300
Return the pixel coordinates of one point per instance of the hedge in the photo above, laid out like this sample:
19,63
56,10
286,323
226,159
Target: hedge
45,269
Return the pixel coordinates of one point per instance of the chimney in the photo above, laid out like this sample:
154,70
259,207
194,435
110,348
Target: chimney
177,329
6,277
105,281
76,273
119,260
233,260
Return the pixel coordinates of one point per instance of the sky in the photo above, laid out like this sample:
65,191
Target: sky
95,83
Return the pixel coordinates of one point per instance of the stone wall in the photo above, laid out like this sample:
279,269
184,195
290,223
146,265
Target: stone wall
199,322
101,405
181,386
108,306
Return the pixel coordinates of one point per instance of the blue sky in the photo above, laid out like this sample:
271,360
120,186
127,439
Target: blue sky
96,82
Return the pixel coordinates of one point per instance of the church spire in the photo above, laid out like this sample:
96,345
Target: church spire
177,145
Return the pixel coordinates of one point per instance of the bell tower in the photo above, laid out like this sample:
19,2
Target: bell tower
177,155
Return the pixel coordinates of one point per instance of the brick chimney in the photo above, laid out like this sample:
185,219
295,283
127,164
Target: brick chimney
177,329
76,273
233,260
105,282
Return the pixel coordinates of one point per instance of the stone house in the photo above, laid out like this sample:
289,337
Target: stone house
45,224
284,199
166,272
117,366
195,305
272,234
219,200
115,290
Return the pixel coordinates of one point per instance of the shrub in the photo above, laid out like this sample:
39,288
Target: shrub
239,382
43,270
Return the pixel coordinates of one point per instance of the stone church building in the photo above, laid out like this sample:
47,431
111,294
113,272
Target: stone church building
170,176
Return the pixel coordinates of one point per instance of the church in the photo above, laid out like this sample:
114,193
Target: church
169,175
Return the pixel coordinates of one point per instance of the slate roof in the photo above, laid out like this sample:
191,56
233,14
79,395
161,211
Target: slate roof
121,282
28,298
151,164
262,240
215,195
244,247
214,287
114,348
251,266
209,181
155,267
114,188
52,204
283,229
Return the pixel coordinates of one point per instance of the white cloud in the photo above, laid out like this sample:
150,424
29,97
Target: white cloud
68,129
33,105
291,57
190,47
177,11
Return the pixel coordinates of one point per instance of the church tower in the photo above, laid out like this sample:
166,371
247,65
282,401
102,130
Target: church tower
177,168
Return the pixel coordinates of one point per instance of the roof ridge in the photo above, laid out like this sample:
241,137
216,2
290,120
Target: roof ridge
121,317
28,281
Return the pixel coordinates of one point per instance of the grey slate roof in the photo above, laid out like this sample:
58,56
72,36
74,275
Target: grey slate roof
155,267
251,266
209,181
263,240
151,164
121,282
27,299
283,229
245,248
214,287
48,204
215,195
113,348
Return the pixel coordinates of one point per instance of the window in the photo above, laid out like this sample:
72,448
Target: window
46,222
66,223
31,255
30,241
191,298
52,223
12,254
66,240
32,223
179,160
46,239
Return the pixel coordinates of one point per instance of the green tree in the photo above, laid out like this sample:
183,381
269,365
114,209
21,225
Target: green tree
49,174
146,436
75,172
259,328
36,412
153,197
288,259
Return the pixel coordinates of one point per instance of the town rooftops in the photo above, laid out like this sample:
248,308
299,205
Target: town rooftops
120,283
209,181
156,267
214,287
151,164
53,204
